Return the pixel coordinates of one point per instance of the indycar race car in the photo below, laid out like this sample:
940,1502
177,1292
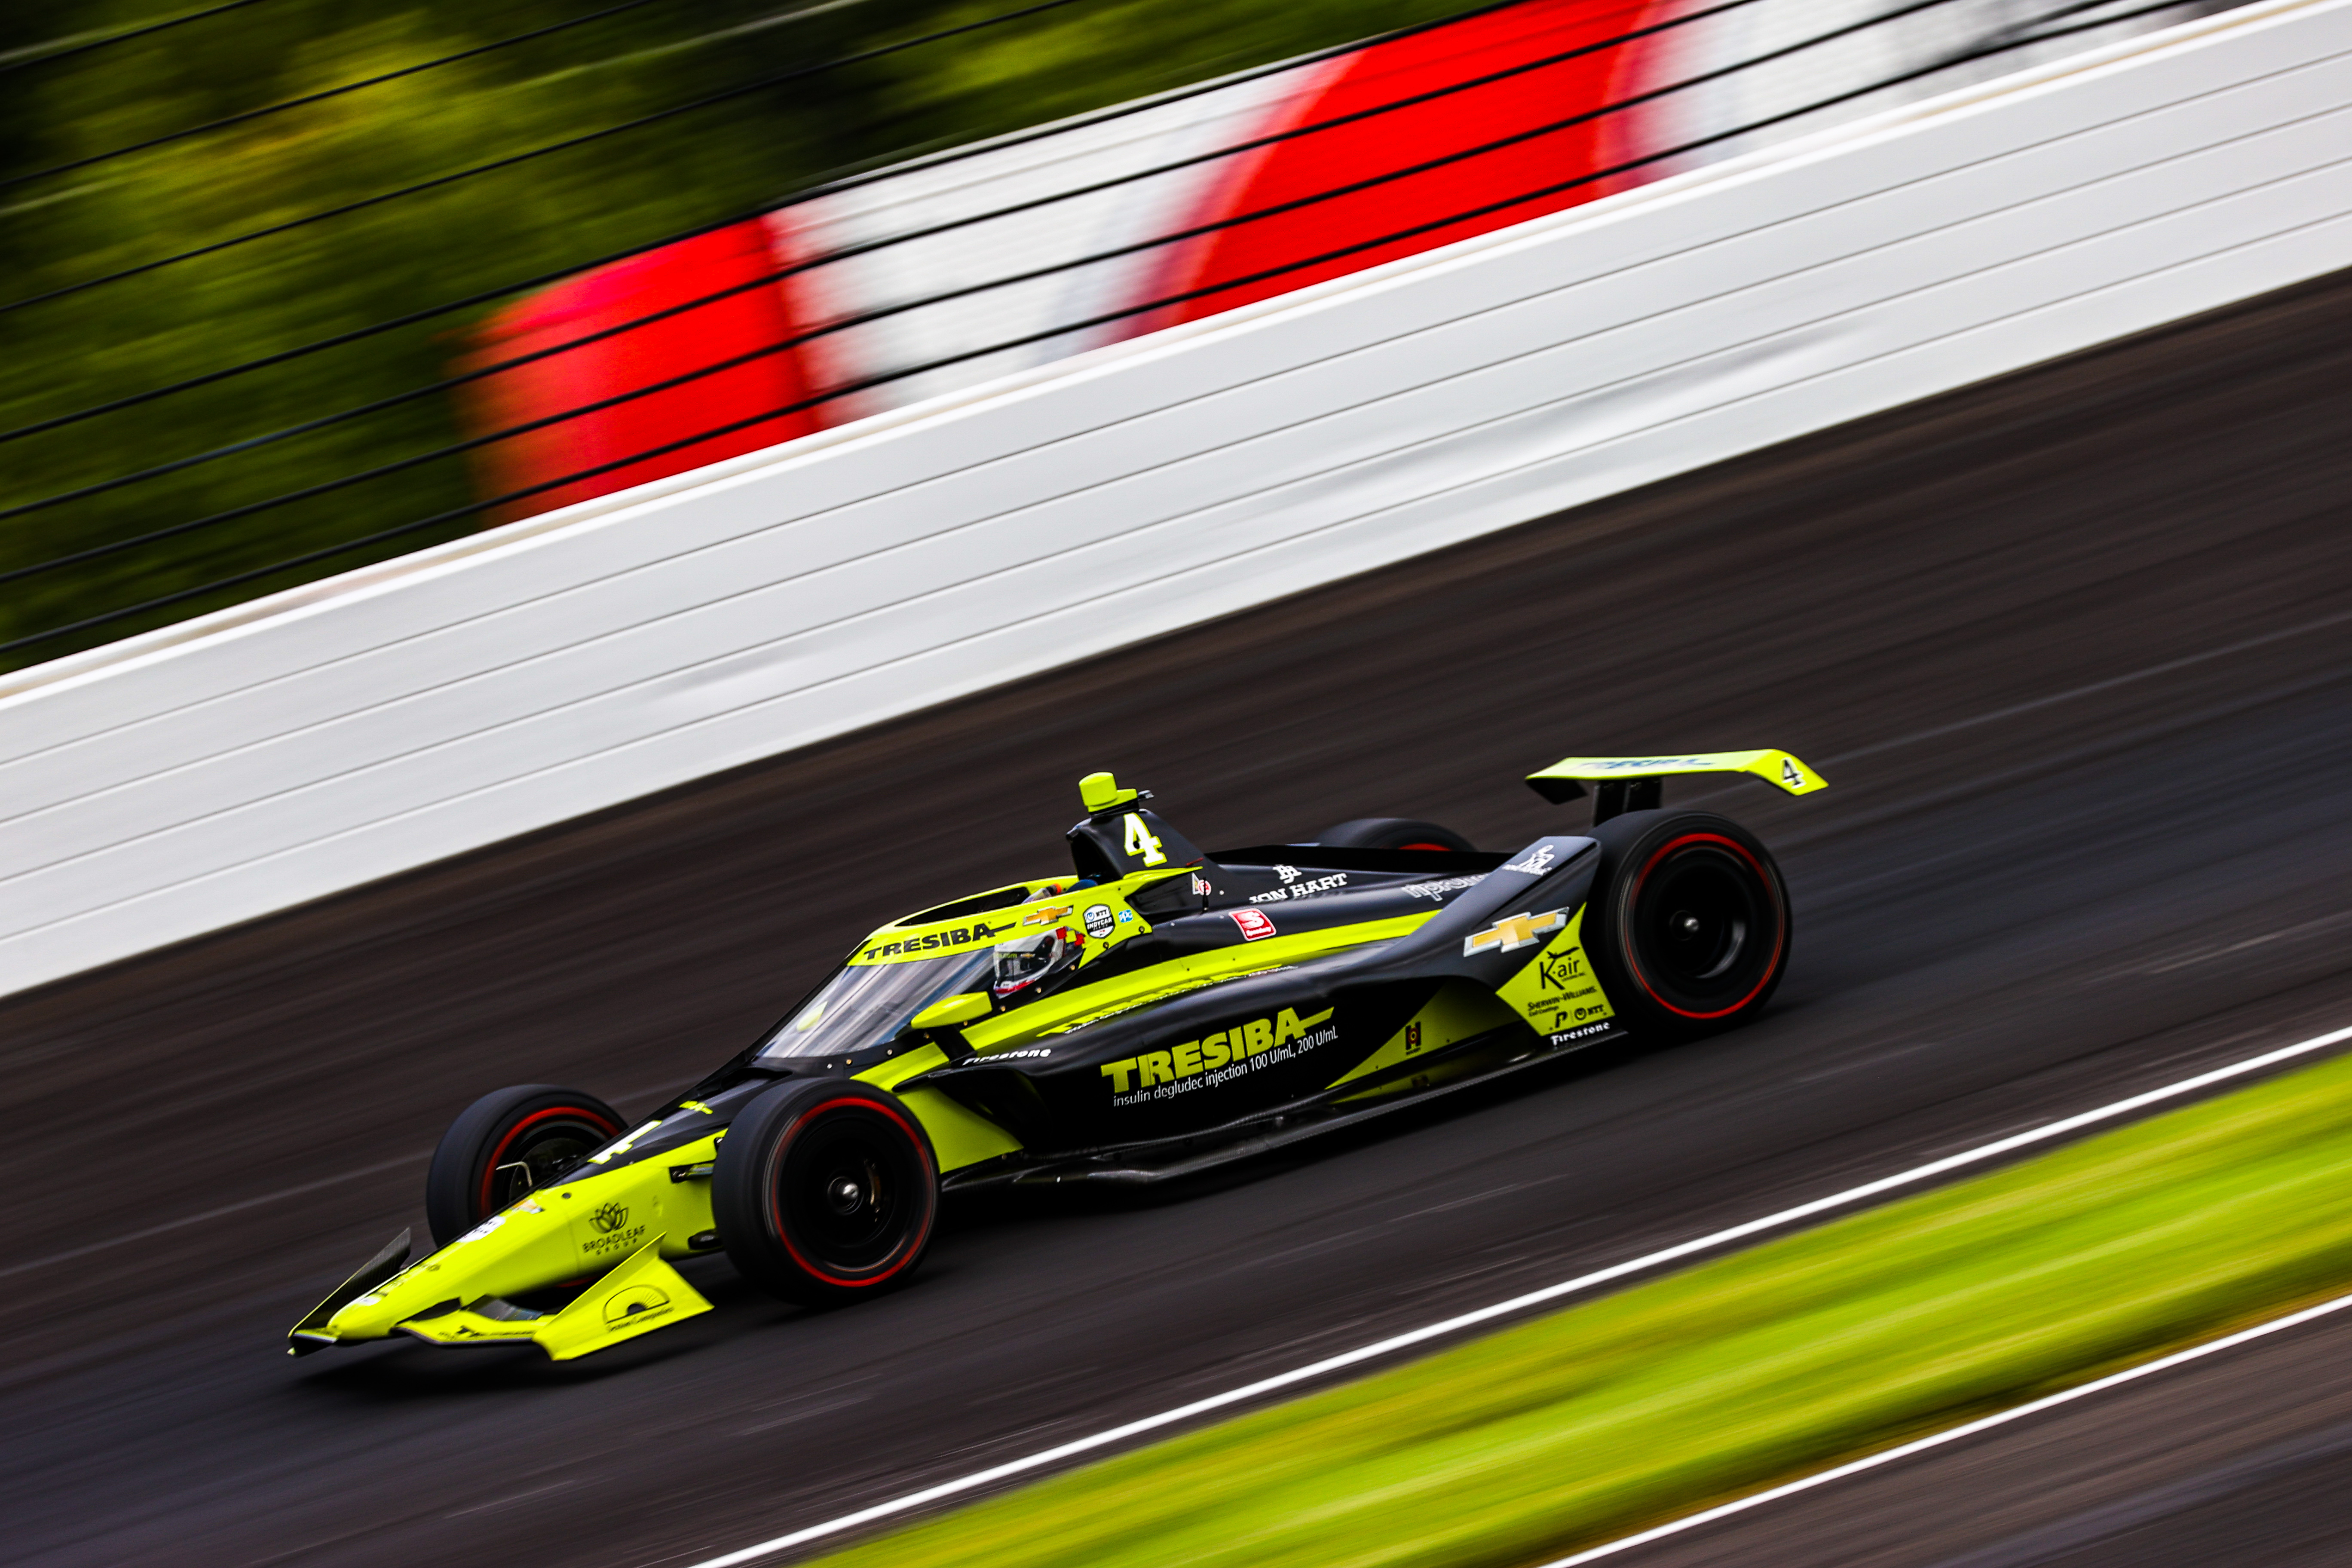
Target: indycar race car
1155,1011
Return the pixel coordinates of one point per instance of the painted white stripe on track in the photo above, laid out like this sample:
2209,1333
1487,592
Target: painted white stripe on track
1982,1154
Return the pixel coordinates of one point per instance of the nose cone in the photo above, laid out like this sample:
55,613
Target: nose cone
524,1247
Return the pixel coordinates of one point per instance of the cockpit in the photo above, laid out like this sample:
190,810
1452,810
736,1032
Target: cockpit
867,1005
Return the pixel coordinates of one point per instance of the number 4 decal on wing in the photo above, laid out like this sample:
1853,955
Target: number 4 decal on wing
1789,775
1140,842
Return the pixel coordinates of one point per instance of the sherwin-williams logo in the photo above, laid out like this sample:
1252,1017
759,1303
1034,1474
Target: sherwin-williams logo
610,1218
1513,932
1217,1059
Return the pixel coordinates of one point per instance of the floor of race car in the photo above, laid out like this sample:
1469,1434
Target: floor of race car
2062,645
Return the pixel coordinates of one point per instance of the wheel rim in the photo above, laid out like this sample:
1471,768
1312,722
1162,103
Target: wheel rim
850,1197
538,1150
1703,928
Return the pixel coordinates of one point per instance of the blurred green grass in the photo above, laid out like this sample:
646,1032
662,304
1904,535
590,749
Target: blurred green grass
1599,1420
349,272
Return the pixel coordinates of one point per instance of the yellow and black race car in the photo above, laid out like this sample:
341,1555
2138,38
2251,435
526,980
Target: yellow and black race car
1155,1011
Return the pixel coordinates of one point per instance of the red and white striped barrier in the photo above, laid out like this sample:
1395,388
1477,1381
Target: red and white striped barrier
1689,70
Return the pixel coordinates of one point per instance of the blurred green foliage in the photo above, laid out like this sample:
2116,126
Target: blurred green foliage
1616,1414
253,299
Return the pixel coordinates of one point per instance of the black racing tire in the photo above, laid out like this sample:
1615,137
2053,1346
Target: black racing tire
542,1126
1690,926
825,1190
1392,833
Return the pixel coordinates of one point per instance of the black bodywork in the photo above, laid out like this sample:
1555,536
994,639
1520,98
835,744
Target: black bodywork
1324,1015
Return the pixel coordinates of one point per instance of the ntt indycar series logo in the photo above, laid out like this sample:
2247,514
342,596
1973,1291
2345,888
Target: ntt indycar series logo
1218,1058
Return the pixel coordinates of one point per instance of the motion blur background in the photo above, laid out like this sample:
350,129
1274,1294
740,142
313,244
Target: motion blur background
73,212
286,283
293,288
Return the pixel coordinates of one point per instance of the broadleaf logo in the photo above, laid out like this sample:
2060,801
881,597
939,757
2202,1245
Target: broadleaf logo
610,1218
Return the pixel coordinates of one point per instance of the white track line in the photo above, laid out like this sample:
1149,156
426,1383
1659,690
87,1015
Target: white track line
2146,1369
1981,1154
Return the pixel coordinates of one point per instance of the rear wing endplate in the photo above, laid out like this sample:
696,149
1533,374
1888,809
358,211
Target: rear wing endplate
1638,784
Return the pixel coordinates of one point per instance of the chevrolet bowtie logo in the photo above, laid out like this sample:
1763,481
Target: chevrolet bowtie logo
1513,932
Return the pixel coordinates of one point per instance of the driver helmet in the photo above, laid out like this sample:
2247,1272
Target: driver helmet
1026,962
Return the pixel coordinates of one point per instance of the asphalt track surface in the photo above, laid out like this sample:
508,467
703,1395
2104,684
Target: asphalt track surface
2070,647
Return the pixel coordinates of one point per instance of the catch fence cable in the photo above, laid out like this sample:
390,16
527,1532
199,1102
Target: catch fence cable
515,159
321,96
1431,225
39,55
865,248
482,297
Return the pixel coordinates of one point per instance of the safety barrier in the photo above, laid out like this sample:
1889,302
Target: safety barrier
236,765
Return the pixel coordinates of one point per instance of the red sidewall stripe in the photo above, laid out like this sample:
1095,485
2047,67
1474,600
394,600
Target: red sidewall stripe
490,1165
775,1206
1625,939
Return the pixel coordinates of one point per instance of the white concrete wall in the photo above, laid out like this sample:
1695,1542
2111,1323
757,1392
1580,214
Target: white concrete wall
226,768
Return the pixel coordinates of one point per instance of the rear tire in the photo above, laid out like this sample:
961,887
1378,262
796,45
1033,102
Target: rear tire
1392,833
507,1143
1690,927
825,1190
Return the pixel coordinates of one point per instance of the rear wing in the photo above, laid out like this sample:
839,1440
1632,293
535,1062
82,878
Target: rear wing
1638,784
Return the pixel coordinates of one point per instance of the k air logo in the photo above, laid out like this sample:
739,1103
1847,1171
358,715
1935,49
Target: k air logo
1219,1058
1563,972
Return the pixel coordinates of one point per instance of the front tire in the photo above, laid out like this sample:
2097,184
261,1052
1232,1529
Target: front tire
1690,928
825,1190
507,1143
